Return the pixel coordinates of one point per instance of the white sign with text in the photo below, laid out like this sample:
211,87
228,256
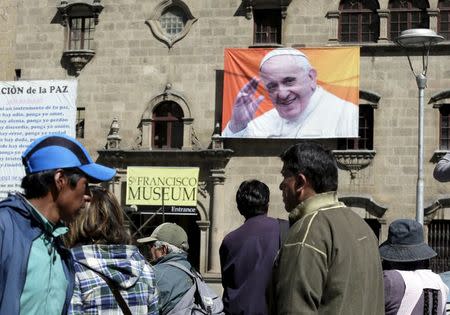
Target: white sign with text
28,110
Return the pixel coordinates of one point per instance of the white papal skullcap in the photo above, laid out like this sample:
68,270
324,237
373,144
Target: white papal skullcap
284,51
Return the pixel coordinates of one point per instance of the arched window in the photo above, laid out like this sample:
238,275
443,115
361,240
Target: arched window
444,18
359,21
406,14
167,126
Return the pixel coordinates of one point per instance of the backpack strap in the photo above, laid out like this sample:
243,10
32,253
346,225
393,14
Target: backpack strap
197,279
115,290
180,266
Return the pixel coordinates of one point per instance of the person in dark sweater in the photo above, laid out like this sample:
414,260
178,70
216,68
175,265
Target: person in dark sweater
247,253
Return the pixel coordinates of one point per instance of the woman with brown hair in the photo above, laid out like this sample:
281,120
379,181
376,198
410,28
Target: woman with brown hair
111,275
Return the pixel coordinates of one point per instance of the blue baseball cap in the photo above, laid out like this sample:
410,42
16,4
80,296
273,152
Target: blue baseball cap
56,151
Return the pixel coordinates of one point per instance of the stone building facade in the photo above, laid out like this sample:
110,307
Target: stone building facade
136,55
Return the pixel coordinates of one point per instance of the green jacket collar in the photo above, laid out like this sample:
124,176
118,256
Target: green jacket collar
315,203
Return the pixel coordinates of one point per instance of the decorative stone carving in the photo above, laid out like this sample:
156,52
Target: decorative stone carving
114,137
251,5
353,160
77,59
155,25
168,94
217,141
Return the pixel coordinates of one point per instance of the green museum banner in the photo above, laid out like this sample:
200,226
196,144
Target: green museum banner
158,186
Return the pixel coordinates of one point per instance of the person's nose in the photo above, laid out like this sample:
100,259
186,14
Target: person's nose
283,92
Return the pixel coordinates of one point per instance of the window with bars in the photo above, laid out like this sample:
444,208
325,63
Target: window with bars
406,14
444,127
444,18
267,26
167,126
358,21
439,240
365,131
173,20
79,123
81,35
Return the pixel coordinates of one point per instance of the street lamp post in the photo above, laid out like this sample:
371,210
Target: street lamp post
422,38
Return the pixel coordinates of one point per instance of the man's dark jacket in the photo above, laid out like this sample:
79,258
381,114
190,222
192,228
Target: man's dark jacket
18,230
246,256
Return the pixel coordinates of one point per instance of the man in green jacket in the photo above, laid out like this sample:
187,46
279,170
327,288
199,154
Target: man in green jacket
329,263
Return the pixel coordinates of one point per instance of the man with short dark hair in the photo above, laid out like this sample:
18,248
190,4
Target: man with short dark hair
247,253
36,272
329,263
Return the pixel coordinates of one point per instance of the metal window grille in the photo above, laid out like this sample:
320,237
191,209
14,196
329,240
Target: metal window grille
444,18
365,132
79,127
444,136
168,126
439,240
357,22
173,20
81,33
407,14
267,26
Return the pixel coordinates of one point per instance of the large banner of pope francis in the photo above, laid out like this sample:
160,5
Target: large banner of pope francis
291,93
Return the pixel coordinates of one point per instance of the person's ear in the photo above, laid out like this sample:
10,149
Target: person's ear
300,181
60,179
312,74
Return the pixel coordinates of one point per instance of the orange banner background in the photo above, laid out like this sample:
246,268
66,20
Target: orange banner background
337,72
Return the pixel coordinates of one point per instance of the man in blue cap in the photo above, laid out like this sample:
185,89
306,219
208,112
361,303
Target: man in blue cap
36,275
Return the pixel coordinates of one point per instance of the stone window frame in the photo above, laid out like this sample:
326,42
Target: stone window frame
407,12
250,8
268,21
384,43
368,101
75,59
444,10
147,121
84,27
155,25
351,159
360,12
